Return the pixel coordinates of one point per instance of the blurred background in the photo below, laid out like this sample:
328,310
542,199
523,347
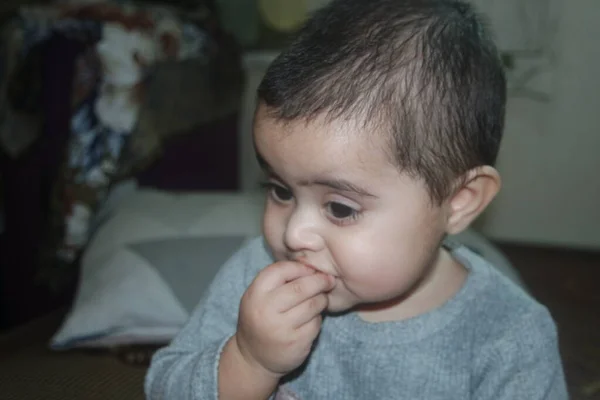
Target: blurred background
128,174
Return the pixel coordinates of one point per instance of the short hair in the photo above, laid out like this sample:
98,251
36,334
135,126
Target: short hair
425,72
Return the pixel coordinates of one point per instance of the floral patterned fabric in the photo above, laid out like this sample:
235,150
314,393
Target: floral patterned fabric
123,44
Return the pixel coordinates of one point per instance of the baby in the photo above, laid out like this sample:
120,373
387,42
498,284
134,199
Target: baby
377,131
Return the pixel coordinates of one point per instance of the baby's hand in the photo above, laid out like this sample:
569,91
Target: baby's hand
280,316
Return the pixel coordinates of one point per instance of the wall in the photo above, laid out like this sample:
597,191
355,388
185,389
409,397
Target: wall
550,158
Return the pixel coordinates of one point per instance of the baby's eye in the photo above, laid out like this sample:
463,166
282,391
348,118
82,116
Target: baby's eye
281,193
278,192
341,212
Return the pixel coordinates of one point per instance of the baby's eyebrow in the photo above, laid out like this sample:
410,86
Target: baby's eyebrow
340,184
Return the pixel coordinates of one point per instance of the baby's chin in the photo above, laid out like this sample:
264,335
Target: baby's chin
340,305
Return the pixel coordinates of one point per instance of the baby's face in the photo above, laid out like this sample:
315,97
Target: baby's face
336,203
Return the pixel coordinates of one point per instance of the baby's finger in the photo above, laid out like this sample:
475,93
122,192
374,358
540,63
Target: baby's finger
280,273
299,290
306,311
311,329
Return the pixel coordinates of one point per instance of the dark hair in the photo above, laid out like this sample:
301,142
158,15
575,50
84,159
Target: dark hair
425,72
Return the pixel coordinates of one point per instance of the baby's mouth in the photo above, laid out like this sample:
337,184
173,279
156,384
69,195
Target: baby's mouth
303,261
312,267
309,265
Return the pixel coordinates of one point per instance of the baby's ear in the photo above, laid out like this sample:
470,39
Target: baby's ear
478,188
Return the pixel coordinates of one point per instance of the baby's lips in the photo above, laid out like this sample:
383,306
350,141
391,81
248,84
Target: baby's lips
331,278
311,266
333,281
318,271
305,263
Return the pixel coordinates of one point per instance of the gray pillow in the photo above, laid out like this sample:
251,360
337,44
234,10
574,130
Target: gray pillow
188,265
144,292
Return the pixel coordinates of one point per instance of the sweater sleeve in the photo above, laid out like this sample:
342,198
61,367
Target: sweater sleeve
524,363
188,367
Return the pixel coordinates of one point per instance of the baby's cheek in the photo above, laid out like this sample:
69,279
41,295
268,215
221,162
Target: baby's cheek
272,229
374,277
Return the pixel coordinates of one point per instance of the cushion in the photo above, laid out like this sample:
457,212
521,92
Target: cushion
149,263
152,259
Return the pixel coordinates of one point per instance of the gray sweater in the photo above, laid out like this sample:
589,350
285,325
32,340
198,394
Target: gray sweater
490,341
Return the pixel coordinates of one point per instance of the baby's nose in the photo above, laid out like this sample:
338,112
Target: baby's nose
302,232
